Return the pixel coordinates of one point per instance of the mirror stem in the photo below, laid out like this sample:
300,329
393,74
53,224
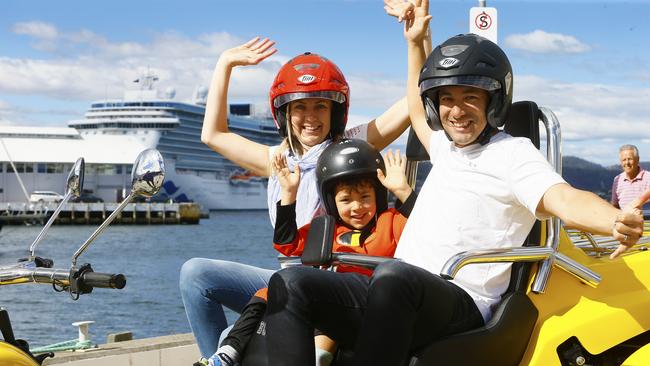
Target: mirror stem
101,228
41,235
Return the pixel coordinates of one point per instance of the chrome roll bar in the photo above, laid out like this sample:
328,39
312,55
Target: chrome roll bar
554,156
28,272
500,255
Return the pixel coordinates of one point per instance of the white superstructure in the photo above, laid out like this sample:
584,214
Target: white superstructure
111,135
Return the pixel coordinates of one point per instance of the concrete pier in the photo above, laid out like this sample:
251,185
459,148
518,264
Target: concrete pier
172,350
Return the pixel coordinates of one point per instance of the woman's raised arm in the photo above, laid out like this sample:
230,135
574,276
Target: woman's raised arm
248,154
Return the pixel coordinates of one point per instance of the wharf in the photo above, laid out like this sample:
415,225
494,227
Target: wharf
94,213
172,350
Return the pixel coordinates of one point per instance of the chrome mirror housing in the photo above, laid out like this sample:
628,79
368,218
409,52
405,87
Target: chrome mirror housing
148,173
74,186
75,182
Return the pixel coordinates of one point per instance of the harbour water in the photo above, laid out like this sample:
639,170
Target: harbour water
150,257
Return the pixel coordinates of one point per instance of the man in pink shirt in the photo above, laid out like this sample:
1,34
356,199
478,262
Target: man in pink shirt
632,181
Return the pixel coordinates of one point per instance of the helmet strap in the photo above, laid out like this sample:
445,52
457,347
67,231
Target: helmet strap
289,131
484,137
366,231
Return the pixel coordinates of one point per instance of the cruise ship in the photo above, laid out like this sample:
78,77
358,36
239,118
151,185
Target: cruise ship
113,132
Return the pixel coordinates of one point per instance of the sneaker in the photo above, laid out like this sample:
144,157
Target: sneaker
220,359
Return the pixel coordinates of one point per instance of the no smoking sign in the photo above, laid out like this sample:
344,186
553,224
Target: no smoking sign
483,21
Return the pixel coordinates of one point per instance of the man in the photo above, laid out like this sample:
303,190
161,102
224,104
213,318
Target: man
633,181
485,190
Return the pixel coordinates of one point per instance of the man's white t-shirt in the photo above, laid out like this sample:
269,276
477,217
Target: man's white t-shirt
476,197
308,204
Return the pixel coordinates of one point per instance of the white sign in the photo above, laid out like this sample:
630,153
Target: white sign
483,21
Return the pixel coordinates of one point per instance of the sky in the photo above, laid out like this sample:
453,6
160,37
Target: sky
587,61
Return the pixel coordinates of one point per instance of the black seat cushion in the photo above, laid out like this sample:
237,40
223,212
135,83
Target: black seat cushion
523,121
501,342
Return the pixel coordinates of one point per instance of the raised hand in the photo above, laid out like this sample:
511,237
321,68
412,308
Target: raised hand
628,227
415,28
288,180
250,53
401,9
395,178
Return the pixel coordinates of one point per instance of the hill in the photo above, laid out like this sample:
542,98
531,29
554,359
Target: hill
589,176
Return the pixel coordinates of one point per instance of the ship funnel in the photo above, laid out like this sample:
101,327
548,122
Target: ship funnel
201,95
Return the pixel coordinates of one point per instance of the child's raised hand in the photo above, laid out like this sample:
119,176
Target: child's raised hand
250,53
395,178
288,180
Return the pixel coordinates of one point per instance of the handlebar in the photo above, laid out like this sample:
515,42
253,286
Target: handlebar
78,281
104,280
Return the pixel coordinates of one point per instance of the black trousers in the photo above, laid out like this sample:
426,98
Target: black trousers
246,325
383,318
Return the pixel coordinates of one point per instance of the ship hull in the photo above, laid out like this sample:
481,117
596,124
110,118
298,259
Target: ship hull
214,194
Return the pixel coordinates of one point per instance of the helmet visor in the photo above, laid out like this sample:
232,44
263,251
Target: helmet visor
283,99
482,82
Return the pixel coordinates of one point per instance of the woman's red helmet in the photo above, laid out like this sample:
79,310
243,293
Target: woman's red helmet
310,76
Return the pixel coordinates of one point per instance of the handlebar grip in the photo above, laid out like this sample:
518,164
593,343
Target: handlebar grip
104,280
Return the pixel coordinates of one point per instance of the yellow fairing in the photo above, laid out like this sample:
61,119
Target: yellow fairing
13,356
639,358
602,317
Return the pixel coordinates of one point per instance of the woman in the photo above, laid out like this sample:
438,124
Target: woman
309,101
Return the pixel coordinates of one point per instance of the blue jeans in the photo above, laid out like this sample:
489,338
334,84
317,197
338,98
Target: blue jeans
206,285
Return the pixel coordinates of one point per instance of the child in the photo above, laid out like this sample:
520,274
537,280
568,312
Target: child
352,179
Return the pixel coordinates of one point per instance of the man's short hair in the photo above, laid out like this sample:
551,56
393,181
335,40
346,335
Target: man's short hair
629,147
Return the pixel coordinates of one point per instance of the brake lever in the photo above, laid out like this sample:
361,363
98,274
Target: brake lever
77,287
39,262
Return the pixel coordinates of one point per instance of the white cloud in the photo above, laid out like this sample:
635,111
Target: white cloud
36,29
540,41
590,111
595,119
95,68
374,91
99,69
5,110
357,119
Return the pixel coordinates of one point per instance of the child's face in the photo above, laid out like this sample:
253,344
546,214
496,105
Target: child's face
356,204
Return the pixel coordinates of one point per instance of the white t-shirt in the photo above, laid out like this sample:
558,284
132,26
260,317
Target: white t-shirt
476,197
308,202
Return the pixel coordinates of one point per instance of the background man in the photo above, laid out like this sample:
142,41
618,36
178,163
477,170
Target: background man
633,181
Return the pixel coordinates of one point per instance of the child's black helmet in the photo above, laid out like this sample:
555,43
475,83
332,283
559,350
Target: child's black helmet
349,159
471,60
